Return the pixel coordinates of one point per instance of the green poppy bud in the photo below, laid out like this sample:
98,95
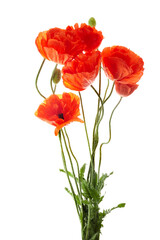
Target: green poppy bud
56,77
92,22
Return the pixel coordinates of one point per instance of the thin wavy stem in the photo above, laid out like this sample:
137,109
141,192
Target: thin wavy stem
100,150
95,138
106,90
109,94
36,81
78,169
100,99
73,172
85,125
65,168
99,87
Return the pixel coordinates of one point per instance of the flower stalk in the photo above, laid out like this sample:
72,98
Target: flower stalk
100,150
36,81
85,126
66,171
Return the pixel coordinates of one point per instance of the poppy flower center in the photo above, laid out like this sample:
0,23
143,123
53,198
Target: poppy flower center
60,115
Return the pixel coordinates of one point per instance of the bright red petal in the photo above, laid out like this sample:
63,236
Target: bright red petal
125,90
82,71
60,110
120,63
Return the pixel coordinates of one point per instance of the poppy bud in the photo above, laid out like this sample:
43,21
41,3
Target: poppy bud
56,77
92,22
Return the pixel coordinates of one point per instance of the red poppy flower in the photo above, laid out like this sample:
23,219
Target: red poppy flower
90,37
123,66
60,110
124,89
82,71
59,45
62,45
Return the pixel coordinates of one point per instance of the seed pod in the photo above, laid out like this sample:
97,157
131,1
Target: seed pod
92,22
56,77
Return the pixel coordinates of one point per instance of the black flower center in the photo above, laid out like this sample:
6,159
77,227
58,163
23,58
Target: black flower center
60,115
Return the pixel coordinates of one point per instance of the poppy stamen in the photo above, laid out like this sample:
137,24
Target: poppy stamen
61,116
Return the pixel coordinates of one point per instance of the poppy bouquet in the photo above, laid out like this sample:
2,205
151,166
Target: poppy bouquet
76,49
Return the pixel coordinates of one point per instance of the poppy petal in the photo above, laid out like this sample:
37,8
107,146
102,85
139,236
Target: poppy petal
125,90
81,72
59,110
120,63
62,45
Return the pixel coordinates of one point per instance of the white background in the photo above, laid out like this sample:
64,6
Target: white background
33,202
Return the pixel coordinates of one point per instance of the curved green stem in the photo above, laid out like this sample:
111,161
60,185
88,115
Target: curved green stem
106,90
88,222
109,94
85,125
95,138
101,108
51,81
100,150
78,169
99,87
74,176
36,82
65,168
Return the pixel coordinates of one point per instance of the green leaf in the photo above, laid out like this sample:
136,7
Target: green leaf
89,191
101,181
82,171
85,202
94,236
94,180
101,198
69,173
68,191
76,196
104,213
121,205
85,188
107,211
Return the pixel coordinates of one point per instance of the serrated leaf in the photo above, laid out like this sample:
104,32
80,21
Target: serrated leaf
94,180
121,205
69,173
101,198
85,202
85,188
68,191
76,196
102,179
94,236
82,171
90,192
104,213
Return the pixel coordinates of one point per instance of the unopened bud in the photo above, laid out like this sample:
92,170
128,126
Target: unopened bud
56,77
92,22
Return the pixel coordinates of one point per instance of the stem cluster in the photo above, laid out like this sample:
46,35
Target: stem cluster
86,190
